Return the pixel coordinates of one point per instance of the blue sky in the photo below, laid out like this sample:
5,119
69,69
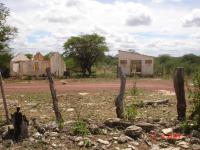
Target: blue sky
152,27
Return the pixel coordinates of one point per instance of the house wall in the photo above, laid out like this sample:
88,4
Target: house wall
146,69
57,65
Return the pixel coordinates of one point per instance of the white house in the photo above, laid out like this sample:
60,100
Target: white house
132,62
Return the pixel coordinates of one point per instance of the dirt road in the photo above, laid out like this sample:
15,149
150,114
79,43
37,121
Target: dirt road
71,85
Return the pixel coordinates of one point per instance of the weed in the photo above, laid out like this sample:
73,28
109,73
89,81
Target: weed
130,112
195,96
80,128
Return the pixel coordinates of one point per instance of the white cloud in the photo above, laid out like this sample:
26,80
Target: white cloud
125,24
192,19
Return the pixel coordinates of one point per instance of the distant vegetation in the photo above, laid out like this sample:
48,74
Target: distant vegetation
6,34
165,65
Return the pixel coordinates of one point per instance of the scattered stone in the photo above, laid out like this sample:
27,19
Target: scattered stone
53,134
94,129
133,131
37,135
195,133
70,109
157,102
146,126
183,144
117,123
167,131
103,142
164,145
123,139
195,147
131,146
81,144
83,93
194,140
78,139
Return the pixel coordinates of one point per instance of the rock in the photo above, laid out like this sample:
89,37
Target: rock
194,140
54,145
81,144
183,144
123,139
146,126
157,102
117,123
195,147
78,139
133,131
195,133
131,146
37,135
167,131
53,134
70,109
103,142
94,129
163,145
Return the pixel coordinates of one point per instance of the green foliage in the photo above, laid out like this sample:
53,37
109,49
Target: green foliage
187,126
6,34
195,96
165,65
60,124
130,112
86,50
80,128
29,56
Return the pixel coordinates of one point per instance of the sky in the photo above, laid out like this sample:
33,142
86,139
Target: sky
152,27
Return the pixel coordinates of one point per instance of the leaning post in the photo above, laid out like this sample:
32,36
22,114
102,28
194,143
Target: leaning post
119,101
180,93
4,99
54,96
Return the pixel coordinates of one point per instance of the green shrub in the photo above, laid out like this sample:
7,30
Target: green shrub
80,128
195,97
130,112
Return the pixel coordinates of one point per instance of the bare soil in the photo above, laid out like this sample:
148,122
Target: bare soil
85,85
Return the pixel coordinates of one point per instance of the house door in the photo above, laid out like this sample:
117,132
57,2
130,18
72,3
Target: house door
136,66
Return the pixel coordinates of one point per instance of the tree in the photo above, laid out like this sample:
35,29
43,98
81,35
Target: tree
6,34
29,56
86,50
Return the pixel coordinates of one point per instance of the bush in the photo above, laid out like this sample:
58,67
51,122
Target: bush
80,128
130,112
195,96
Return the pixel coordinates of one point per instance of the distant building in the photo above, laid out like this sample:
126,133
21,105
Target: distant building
20,65
132,62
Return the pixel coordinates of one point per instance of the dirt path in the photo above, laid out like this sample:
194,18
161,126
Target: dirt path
71,85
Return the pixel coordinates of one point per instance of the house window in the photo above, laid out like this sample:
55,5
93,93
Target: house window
123,62
148,62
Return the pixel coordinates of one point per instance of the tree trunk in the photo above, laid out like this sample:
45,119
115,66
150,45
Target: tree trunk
119,101
4,99
180,93
54,96
89,71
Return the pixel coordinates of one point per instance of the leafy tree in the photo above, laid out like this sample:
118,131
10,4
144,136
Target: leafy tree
86,50
29,56
6,34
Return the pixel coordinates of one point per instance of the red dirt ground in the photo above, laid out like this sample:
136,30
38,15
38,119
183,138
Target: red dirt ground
43,86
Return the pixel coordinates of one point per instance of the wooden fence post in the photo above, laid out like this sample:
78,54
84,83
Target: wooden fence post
54,96
180,93
4,99
119,101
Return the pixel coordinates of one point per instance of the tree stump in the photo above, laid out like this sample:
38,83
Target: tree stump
119,101
180,93
54,96
4,99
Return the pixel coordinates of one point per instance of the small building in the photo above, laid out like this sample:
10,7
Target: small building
20,65
132,62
